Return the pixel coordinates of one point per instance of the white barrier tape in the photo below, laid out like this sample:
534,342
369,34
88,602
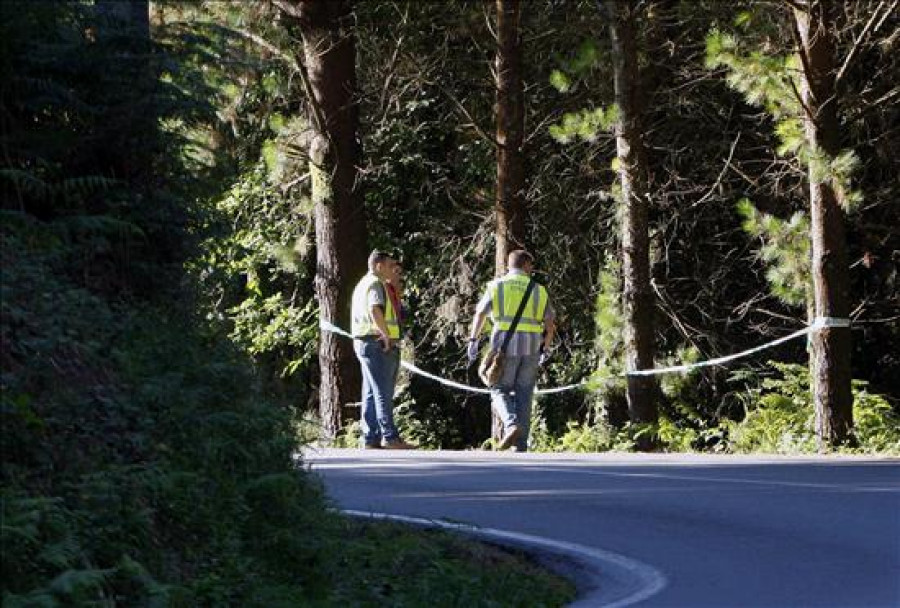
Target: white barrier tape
721,360
560,389
830,322
444,381
818,323
328,326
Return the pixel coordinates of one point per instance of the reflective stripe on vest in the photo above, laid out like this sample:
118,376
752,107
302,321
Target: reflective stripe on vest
362,323
506,295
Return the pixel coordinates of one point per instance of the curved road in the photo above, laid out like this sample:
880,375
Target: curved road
723,531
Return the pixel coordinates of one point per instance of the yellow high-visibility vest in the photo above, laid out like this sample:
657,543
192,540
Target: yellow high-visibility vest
362,323
506,295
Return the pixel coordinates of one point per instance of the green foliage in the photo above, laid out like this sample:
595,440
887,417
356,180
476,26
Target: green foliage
765,80
254,273
435,568
139,458
427,425
774,82
785,248
585,58
598,437
81,137
876,425
585,124
780,417
607,381
560,81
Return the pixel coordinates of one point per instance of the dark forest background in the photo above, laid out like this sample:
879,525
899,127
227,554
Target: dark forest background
162,235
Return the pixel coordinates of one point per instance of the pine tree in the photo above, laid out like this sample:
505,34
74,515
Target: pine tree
799,92
633,180
334,152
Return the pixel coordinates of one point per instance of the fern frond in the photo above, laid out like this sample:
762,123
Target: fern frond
26,182
97,225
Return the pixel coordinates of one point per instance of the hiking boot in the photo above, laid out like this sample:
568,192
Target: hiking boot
512,433
397,444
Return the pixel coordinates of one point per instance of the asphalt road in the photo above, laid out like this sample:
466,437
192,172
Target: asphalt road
694,531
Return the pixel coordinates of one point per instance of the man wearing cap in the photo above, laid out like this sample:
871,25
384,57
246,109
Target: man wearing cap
526,349
376,337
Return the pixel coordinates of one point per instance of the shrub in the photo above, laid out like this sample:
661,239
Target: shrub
780,417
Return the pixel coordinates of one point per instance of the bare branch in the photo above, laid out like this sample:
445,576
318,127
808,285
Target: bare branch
890,11
392,64
481,132
858,43
721,173
288,58
294,11
289,8
807,70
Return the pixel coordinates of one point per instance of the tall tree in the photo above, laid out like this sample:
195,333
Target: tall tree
329,74
510,114
509,207
831,345
633,177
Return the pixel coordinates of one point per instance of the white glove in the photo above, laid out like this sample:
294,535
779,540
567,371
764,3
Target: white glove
545,356
473,349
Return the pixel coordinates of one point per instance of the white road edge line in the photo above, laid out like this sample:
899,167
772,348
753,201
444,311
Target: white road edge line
635,580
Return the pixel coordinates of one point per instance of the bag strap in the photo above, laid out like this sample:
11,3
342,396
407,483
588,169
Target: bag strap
515,321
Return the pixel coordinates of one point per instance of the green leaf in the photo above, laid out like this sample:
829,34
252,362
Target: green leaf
560,81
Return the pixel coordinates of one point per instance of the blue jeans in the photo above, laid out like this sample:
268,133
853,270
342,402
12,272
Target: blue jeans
379,372
511,396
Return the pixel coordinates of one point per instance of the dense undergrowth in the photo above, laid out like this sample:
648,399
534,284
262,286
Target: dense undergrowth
144,466
778,418
141,466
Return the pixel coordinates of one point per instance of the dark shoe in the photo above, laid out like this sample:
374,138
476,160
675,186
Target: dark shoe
512,433
397,444
372,446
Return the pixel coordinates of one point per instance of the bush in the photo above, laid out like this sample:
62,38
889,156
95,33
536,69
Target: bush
141,461
780,418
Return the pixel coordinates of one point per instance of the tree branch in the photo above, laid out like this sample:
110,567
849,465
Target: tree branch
272,48
481,132
721,173
858,43
293,62
318,114
289,8
807,69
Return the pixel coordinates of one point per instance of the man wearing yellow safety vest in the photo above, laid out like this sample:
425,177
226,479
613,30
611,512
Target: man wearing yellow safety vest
376,337
526,348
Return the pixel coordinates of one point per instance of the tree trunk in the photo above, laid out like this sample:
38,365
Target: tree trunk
509,208
830,346
334,152
637,297
510,200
